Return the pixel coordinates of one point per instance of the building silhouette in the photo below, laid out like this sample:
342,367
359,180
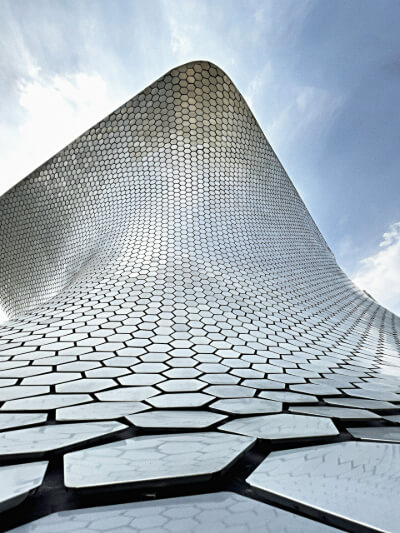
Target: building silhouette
178,325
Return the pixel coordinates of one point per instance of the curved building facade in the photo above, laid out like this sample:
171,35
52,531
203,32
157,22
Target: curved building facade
183,352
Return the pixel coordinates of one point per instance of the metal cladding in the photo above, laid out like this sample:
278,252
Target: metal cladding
165,261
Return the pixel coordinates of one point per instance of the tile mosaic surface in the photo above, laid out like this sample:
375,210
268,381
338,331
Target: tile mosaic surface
153,458
217,512
283,426
47,402
100,411
360,403
175,419
247,406
45,438
163,264
354,480
288,397
383,434
393,418
345,413
15,420
232,314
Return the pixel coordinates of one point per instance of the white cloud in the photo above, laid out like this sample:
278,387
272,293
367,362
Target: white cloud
379,274
181,44
53,111
197,31
256,86
307,107
186,26
275,22
344,247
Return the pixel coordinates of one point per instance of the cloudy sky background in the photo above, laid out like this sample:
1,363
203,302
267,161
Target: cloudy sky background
322,78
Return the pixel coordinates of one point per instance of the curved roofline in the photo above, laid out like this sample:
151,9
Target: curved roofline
183,65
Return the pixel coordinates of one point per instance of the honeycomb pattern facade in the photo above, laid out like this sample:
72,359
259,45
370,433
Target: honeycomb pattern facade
164,261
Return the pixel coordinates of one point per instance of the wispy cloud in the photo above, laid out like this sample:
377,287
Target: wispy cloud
379,273
274,22
257,85
180,41
308,107
191,33
54,111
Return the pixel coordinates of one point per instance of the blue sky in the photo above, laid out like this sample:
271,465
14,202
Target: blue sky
322,78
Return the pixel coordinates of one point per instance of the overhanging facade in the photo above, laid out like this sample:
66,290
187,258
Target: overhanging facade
180,332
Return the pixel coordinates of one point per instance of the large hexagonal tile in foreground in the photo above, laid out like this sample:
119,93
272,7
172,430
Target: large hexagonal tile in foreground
153,458
205,513
356,481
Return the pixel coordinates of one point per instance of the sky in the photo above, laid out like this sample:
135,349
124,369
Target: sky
322,78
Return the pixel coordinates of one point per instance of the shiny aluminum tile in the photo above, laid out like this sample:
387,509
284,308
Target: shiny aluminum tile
288,397
282,426
344,413
360,403
354,480
153,458
217,512
178,419
15,420
393,418
247,406
17,481
52,437
100,411
164,260
381,434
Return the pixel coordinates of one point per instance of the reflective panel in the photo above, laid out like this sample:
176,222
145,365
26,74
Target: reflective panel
393,418
127,394
86,385
154,258
288,397
247,406
230,391
190,399
153,458
21,391
44,438
218,512
14,420
164,261
284,426
315,389
17,481
353,480
45,403
383,434
100,411
334,412
175,419
360,403
269,384
374,394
